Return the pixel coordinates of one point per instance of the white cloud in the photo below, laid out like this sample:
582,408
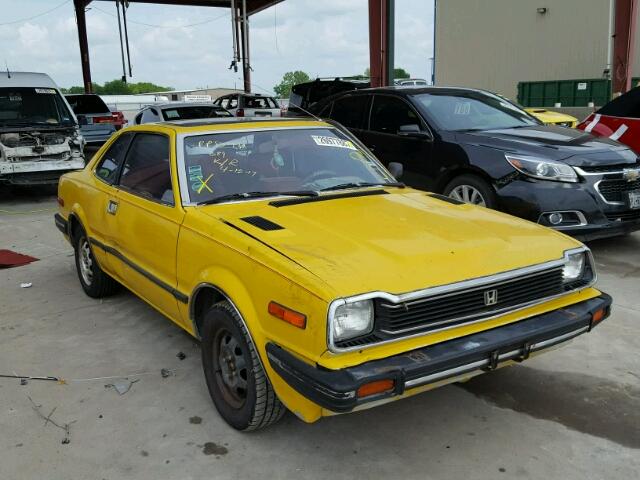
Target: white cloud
323,38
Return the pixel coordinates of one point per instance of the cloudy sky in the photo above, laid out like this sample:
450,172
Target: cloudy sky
323,38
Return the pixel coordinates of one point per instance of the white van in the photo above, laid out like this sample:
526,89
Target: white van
39,134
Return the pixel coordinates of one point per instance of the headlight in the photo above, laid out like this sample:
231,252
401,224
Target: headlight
544,169
352,320
574,267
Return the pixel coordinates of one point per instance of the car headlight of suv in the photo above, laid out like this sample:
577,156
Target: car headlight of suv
578,268
543,169
350,320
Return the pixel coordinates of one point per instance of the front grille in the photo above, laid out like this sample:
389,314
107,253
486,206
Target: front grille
450,309
624,216
610,168
617,190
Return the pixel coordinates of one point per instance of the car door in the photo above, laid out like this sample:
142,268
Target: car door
148,222
411,148
99,207
351,111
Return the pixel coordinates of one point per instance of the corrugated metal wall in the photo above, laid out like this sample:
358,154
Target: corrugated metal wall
494,44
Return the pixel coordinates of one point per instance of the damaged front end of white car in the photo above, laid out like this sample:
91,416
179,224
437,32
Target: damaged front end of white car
37,156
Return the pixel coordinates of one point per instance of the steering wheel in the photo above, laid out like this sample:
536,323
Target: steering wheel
318,175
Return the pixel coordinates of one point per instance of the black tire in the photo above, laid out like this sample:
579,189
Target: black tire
94,281
246,401
480,185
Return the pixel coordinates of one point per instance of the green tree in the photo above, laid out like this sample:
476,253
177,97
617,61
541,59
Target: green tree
118,87
289,79
397,73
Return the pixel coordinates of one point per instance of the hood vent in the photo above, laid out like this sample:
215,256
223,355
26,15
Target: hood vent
445,198
262,223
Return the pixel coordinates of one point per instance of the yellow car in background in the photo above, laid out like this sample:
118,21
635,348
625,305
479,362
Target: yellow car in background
549,117
313,279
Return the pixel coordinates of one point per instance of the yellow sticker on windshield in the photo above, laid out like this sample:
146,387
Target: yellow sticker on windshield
356,155
333,142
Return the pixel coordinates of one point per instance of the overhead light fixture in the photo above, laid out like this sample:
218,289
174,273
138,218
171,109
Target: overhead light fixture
542,10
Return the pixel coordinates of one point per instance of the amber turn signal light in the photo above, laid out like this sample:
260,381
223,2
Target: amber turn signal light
597,316
373,388
296,319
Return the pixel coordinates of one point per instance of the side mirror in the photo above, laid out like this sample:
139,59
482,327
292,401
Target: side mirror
396,169
413,131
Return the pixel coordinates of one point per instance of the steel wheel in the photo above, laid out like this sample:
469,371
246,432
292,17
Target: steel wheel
468,194
86,262
230,367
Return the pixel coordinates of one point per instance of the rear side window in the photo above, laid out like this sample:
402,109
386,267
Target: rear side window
349,111
107,169
87,104
259,102
389,114
147,170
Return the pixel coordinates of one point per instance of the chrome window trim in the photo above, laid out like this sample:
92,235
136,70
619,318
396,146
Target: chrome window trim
452,287
183,184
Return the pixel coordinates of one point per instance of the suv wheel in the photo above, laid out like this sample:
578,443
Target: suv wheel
237,383
471,189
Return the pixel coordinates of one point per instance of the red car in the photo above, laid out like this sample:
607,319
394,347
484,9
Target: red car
618,120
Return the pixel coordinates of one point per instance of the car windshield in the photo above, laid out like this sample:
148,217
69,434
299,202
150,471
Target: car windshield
87,104
28,106
262,163
472,111
194,112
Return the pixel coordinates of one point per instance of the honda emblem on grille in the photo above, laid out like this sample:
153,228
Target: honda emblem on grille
491,297
631,175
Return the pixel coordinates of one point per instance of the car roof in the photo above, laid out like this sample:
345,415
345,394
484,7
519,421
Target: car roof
233,123
184,104
26,79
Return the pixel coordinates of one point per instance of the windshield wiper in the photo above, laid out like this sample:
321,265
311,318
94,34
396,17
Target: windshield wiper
345,186
247,195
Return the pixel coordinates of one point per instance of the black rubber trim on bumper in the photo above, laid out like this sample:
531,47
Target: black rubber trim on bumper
61,223
335,390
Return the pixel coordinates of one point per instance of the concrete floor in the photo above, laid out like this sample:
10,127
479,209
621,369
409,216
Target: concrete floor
571,414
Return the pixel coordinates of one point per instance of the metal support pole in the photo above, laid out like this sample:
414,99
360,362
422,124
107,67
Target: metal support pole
124,72
624,45
83,43
380,46
244,34
126,36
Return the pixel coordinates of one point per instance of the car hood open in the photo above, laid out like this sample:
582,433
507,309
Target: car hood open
395,241
574,147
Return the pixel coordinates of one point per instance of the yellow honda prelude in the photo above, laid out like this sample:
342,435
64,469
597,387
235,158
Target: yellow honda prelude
315,281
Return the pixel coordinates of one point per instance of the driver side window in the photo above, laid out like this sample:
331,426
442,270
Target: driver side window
389,114
147,168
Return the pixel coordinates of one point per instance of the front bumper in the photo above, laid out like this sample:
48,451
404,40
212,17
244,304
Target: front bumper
529,199
41,172
335,390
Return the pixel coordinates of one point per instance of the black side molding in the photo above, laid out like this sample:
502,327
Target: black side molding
181,297
322,198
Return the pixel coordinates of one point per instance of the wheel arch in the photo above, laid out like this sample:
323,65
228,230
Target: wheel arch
444,180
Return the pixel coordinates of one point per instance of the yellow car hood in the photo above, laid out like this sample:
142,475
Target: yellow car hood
549,116
396,242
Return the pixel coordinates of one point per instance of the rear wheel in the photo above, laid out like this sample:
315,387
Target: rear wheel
94,281
237,383
471,189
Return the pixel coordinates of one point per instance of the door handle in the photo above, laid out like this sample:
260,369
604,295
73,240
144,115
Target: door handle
112,207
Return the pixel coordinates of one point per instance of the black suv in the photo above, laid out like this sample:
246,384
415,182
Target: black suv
477,147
